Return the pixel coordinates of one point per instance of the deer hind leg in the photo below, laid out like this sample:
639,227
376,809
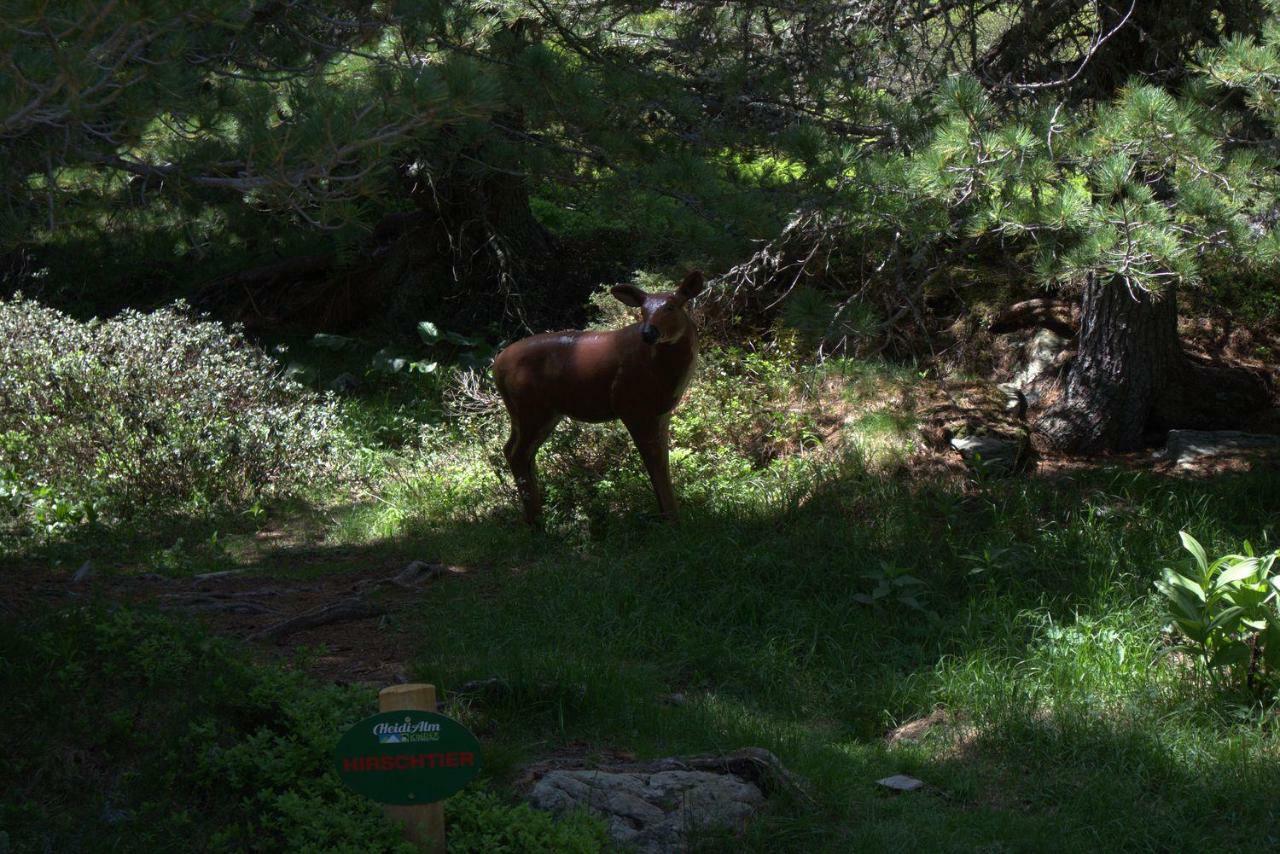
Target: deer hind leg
652,440
527,435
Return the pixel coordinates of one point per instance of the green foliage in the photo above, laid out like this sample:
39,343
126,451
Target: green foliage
1139,188
481,822
138,732
439,347
1046,656
1060,714
1229,614
894,585
147,412
213,106
820,325
756,406
645,134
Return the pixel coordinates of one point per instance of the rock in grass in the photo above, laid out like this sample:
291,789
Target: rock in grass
1042,363
657,806
84,573
418,572
990,454
652,812
900,783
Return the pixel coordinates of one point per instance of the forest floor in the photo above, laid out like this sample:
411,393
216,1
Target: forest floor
837,592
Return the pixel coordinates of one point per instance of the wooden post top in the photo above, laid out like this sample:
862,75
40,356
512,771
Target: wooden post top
415,695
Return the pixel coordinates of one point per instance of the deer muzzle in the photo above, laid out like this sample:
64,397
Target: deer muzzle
650,333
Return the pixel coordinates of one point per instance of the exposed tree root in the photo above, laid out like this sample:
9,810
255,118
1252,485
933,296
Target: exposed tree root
338,612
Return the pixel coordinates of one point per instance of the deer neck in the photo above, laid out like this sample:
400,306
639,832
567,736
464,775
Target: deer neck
674,359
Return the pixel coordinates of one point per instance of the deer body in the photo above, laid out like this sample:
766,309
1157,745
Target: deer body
636,374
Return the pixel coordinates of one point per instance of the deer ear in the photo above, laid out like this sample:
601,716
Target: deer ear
691,286
628,295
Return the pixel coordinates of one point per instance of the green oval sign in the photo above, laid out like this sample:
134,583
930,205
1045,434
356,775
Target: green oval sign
407,757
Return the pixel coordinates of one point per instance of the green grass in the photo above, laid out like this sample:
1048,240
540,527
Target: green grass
1038,633
1035,626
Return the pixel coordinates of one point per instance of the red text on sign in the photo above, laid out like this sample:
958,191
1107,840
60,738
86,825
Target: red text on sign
408,761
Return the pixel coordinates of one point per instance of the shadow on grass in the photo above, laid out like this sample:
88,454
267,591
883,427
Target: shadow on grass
1029,612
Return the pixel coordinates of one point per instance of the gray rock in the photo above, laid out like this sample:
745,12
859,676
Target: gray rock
344,384
901,783
418,572
652,812
1041,355
1184,447
1042,361
1015,400
989,453
84,573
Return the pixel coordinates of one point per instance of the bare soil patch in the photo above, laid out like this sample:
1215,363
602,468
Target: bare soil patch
368,644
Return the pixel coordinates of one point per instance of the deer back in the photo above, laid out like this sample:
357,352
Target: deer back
595,376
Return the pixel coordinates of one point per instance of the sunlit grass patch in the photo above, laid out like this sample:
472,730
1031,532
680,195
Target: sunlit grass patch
755,434
814,597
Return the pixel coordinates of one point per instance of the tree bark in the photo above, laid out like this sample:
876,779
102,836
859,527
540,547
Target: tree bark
1131,380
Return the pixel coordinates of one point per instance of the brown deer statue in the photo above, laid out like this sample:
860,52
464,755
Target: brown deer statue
636,374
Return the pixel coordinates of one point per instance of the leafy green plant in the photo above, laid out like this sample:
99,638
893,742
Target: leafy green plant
443,346
823,325
1227,610
176,736
894,584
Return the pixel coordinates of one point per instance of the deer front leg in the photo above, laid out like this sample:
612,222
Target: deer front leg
652,439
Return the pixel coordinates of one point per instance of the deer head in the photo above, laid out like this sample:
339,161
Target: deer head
662,316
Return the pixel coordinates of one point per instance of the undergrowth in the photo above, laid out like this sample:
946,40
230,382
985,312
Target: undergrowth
826,585
132,732
814,598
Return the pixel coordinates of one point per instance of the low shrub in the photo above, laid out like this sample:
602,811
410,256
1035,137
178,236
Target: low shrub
130,731
483,823
146,410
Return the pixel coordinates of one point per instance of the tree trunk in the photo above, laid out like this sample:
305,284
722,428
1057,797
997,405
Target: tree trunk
1131,380
1128,351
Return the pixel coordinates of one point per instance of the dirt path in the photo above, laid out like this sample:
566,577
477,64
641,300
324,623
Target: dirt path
347,627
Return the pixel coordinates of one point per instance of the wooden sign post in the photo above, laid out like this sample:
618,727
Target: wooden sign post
423,823
409,759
